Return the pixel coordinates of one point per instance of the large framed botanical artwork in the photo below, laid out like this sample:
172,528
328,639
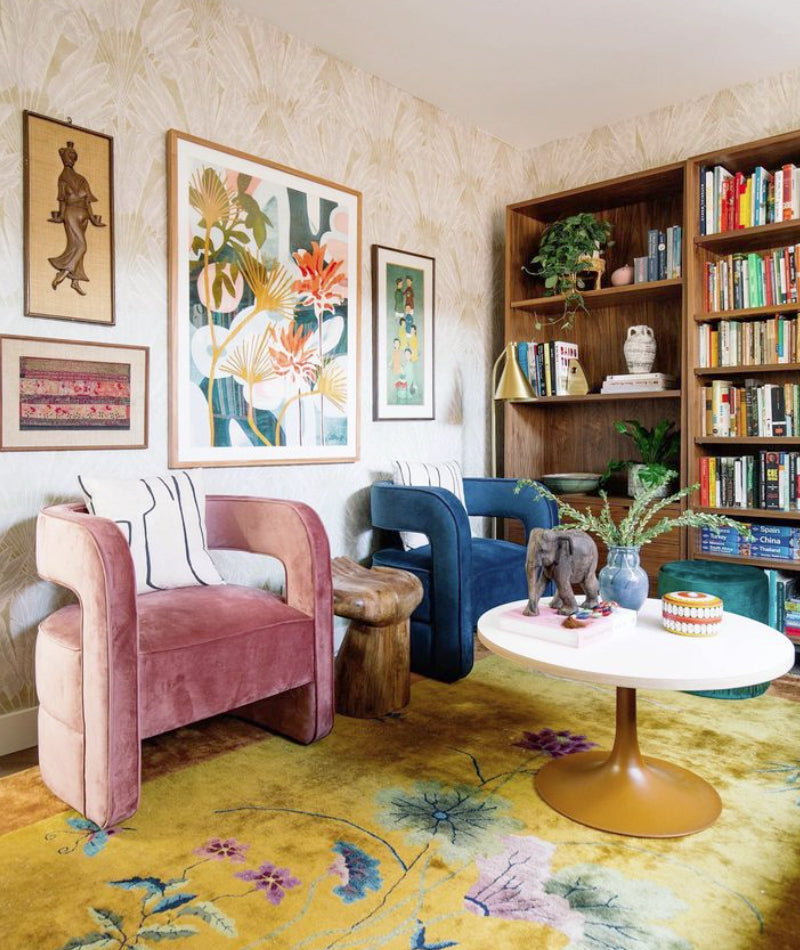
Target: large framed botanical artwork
264,309
69,221
65,394
403,305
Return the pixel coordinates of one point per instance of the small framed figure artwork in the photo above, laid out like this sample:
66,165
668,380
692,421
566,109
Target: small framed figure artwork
403,289
69,221
63,394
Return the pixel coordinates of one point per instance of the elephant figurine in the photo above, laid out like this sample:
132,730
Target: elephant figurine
566,556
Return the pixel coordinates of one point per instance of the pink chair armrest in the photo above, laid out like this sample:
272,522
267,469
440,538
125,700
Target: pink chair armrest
90,556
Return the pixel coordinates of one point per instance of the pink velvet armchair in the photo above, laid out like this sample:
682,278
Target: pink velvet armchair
119,667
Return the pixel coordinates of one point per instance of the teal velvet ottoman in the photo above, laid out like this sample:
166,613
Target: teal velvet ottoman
744,590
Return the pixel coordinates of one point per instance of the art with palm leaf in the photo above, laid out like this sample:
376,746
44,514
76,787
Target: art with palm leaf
264,302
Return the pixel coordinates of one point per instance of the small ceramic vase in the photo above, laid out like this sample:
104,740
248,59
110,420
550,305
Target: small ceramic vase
640,349
623,579
622,276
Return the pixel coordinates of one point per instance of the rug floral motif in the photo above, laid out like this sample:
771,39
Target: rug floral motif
423,831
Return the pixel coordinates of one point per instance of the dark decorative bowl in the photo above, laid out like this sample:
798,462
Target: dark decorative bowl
570,483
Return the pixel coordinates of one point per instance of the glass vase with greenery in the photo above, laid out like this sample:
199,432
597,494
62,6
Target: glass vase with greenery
565,247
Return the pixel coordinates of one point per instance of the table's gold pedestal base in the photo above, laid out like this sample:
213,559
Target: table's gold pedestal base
624,792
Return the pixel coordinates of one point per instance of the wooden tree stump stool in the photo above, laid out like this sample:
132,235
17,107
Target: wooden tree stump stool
373,664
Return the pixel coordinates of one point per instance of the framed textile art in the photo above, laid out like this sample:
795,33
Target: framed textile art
69,221
403,288
264,306
59,394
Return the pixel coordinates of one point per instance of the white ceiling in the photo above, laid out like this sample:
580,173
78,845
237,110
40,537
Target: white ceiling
530,71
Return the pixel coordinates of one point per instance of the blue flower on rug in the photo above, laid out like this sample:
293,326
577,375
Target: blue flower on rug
93,837
462,819
358,871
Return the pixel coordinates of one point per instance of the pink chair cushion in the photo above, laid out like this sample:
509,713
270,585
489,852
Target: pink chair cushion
202,651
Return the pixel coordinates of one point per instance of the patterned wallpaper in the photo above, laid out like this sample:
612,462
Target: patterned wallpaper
430,184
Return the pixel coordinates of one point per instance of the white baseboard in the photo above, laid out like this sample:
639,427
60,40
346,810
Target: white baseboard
18,730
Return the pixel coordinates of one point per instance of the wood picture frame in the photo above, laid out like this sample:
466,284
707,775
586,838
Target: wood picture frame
264,303
68,200
72,395
403,313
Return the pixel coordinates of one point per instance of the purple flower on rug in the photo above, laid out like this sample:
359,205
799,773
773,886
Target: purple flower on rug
358,871
219,850
273,881
555,744
512,886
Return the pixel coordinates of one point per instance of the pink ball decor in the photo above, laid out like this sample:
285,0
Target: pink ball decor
622,276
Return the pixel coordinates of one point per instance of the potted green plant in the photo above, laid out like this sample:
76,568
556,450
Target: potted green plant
659,448
565,255
623,579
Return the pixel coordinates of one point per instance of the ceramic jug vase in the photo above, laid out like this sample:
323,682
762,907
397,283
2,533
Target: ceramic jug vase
640,349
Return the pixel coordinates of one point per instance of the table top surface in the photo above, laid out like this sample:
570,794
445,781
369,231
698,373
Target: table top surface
743,653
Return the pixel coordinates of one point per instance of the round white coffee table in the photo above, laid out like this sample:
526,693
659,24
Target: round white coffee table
623,791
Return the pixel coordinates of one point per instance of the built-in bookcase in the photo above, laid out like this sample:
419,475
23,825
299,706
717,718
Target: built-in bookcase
576,433
771,154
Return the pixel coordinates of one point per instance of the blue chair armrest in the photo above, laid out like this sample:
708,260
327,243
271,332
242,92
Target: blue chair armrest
495,498
433,511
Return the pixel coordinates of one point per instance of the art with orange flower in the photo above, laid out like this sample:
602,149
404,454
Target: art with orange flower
264,305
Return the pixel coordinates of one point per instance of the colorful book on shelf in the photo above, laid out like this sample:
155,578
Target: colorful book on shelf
549,625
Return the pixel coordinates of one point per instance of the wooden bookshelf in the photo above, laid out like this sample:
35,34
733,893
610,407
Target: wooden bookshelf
771,153
576,433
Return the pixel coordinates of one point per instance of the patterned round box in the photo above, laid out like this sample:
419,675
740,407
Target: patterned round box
691,614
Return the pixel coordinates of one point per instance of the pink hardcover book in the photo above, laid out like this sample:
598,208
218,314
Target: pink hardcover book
549,626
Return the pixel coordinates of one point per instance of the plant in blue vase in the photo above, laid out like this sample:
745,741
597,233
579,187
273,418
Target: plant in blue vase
623,579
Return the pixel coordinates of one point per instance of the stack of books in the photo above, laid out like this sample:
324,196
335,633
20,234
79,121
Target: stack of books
637,383
749,343
765,410
729,202
547,365
769,480
663,261
773,541
741,281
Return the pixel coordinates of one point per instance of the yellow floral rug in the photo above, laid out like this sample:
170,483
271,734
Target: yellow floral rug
422,831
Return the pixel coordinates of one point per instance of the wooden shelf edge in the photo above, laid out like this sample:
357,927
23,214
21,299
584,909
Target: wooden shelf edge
597,397
751,513
743,370
751,561
746,440
760,236
746,314
605,297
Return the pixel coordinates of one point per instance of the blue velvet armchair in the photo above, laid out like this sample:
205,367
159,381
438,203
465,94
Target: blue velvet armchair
462,576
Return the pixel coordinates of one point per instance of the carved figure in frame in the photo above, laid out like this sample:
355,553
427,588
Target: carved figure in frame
567,557
75,213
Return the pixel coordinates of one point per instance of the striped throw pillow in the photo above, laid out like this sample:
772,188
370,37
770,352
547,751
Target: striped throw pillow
163,520
442,475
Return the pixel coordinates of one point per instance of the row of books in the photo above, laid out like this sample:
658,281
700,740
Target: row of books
771,541
638,383
742,281
748,343
784,602
766,409
731,201
663,260
547,365
768,480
